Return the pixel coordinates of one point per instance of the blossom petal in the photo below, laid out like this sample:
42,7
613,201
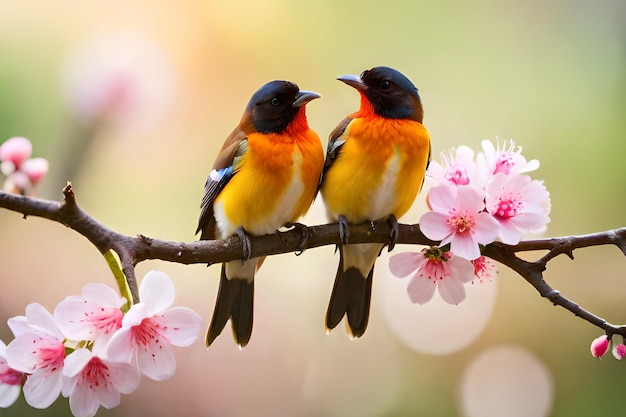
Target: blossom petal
157,291
433,225
120,347
402,264
442,197
83,402
465,247
19,325
509,234
180,326
109,396
421,289
125,377
42,388
451,290
75,362
530,221
103,295
156,361
470,199
486,229
461,269
37,319
8,394
135,315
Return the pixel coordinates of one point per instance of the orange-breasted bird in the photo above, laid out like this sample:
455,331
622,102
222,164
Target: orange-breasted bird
375,165
265,177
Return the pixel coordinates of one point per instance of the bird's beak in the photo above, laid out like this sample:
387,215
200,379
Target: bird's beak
303,97
353,81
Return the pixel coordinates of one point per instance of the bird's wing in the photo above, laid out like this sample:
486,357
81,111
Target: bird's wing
227,163
335,142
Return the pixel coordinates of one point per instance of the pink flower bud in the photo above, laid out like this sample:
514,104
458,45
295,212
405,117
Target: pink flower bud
36,169
16,150
619,351
599,346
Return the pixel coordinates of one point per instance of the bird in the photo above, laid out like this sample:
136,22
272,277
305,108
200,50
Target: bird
265,176
375,165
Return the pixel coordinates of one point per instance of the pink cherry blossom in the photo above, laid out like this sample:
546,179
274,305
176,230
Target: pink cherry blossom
457,167
150,327
457,218
90,381
518,204
433,268
94,316
483,268
10,380
506,159
22,173
619,351
37,350
35,169
599,346
14,151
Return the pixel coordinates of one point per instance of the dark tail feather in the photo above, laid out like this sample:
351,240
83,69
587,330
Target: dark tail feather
351,296
235,301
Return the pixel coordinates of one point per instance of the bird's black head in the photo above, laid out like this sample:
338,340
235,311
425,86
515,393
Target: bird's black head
391,93
274,105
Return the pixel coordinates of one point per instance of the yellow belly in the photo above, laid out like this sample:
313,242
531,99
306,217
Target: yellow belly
275,185
379,170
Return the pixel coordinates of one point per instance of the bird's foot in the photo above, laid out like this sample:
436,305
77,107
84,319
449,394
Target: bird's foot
344,231
305,233
246,247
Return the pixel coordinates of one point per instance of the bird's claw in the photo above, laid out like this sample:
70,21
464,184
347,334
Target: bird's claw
304,236
344,230
393,236
246,247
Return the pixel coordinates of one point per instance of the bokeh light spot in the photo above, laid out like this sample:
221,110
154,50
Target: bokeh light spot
506,381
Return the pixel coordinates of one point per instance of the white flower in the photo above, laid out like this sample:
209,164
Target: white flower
93,316
90,381
37,350
10,380
150,327
518,204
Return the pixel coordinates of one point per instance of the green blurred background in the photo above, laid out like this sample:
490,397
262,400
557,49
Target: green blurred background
550,74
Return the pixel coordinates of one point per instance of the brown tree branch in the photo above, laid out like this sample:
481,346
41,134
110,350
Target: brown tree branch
132,250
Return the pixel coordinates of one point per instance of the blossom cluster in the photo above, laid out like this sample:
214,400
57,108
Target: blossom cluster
600,345
476,201
23,172
90,351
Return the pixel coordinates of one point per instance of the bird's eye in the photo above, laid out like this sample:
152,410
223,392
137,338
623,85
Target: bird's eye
385,84
275,101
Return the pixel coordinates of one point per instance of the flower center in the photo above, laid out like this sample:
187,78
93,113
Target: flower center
504,163
436,268
107,320
51,357
508,206
95,373
457,174
462,221
146,333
